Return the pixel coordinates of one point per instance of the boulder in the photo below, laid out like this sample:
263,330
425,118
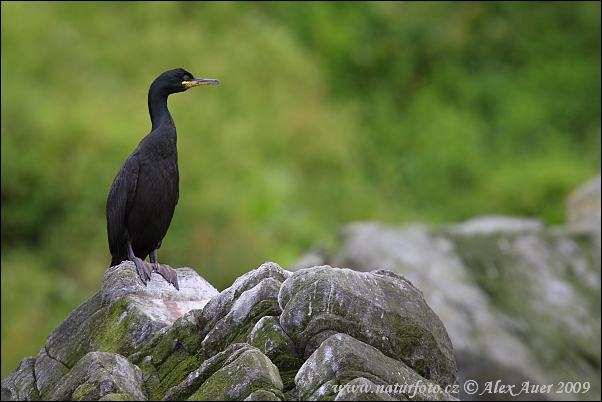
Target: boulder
520,301
343,367
321,301
264,338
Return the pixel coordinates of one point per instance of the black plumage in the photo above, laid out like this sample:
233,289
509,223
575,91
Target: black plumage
144,194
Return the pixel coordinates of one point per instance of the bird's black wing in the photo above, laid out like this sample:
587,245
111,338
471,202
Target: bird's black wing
119,202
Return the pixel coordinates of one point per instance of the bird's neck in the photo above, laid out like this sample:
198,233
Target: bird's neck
157,107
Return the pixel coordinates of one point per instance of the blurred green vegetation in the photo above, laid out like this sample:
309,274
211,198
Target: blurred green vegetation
327,113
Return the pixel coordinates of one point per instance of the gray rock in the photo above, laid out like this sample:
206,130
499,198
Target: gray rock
489,224
171,355
381,309
20,385
334,368
163,303
231,316
97,375
123,317
262,395
269,337
136,342
234,374
240,378
521,302
341,359
361,389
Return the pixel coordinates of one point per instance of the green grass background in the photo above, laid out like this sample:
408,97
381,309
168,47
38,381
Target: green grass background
327,113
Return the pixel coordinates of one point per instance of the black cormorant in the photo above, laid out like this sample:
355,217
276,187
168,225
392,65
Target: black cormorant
145,192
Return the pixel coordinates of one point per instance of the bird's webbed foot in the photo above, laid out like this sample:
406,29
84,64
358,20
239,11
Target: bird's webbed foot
144,268
164,270
168,273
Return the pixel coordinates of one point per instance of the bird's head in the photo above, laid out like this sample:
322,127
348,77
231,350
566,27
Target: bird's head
179,80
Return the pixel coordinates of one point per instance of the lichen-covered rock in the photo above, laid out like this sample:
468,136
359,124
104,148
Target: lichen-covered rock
269,337
238,378
359,389
332,369
20,385
136,342
383,310
234,374
99,374
171,355
123,280
122,318
231,316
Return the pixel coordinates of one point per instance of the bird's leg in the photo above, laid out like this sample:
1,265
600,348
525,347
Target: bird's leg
144,271
164,270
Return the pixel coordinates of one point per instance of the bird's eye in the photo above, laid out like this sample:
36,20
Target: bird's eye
186,78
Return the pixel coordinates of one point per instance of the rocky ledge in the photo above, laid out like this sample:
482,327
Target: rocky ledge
320,333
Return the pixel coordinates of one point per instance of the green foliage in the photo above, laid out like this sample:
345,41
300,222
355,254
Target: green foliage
327,112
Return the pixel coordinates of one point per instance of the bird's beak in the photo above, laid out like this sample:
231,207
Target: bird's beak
199,81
